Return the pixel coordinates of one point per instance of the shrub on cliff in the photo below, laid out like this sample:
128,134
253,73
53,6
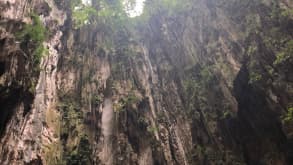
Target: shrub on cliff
36,33
289,116
285,54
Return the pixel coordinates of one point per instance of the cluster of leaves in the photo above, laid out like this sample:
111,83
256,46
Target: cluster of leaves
78,150
278,22
191,85
254,77
113,13
82,154
194,96
110,13
152,129
207,75
285,53
289,116
195,88
287,13
126,102
81,13
71,116
279,13
132,99
37,34
271,28
97,99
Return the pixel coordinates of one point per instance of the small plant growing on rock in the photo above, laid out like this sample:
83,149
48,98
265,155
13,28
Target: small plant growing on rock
119,107
152,130
81,15
289,116
226,114
97,99
81,155
35,33
254,77
132,99
285,54
206,74
287,13
126,102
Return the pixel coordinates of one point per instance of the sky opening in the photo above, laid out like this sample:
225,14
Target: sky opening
134,10
87,2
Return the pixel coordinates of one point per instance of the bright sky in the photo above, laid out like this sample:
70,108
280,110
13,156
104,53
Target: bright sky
137,9
86,2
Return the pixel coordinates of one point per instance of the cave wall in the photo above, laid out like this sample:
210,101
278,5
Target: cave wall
203,83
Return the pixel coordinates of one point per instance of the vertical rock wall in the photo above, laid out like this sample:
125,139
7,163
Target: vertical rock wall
209,83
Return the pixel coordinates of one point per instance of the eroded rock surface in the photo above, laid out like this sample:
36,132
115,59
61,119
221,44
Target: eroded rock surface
204,82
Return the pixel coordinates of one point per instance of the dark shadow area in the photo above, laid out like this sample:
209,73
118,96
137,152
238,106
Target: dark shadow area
256,130
10,98
260,130
2,43
8,101
2,68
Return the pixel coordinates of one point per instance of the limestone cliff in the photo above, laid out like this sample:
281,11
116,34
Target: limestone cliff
187,82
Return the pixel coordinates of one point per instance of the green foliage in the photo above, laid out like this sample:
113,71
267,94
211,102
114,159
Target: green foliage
71,115
142,121
97,99
285,53
152,130
81,15
32,87
37,34
275,38
201,149
281,57
253,24
39,53
254,77
119,107
289,116
270,70
251,50
206,75
276,11
81,156
131,99
190,86
281,17
196,83
77,150
287,13
75,3
110,13
226,114
126,102
194,96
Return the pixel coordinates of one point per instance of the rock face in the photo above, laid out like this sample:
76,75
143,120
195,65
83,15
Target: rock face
191,82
